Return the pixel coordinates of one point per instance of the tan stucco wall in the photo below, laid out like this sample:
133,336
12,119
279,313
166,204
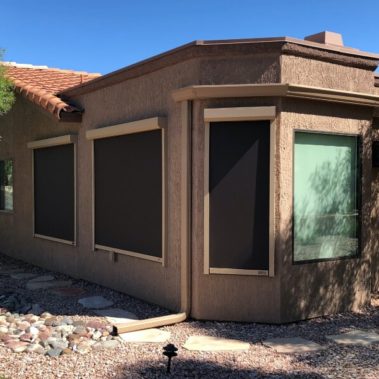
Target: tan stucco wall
290,294
26,122
317,73
314,289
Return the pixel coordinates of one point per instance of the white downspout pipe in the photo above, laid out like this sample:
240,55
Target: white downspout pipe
185,236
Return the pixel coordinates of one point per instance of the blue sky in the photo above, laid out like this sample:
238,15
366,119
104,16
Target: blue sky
102,36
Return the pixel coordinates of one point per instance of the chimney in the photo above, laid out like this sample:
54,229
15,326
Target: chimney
327,38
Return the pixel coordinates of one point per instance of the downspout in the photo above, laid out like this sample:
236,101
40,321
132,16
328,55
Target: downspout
185,235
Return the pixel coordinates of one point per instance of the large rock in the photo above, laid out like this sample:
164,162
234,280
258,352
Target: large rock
146,336
95,302
208,343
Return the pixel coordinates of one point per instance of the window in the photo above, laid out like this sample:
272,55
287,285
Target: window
238,211
6,185
129,188
54,189
326,196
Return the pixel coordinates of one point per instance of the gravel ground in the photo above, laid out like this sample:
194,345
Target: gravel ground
146,360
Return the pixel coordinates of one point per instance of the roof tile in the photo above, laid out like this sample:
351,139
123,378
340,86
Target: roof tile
41,84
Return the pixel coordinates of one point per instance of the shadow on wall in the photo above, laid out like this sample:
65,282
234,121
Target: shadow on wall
193,368
341,284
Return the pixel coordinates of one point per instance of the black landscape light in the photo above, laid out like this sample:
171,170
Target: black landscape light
170,351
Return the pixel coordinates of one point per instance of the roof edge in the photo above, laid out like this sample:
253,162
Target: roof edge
118,75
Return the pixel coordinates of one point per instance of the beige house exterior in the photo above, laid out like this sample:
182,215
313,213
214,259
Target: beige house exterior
315,85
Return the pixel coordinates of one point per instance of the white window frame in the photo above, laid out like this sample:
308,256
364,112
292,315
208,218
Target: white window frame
140,126
51,142
240,114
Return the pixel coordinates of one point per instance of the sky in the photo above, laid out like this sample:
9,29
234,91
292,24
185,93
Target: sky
105,35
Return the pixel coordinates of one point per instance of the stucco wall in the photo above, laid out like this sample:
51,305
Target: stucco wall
26,122
290,294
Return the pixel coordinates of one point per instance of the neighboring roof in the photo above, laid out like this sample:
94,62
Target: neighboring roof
376,80
41,85
199,48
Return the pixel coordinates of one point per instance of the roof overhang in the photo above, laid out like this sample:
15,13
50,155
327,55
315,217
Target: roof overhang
198,92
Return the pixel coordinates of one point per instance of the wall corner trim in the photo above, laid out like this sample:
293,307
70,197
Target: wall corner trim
131,127
56,141
239,114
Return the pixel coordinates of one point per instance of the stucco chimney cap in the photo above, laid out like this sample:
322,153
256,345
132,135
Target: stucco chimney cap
329,38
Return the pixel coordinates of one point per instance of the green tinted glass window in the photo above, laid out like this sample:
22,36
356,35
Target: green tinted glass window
326,214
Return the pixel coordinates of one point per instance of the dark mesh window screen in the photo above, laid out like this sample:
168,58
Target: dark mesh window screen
239,172
54,192
128,192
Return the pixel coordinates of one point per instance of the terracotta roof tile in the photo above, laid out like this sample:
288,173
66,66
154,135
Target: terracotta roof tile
41,84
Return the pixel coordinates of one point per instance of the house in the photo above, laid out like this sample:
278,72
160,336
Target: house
227,180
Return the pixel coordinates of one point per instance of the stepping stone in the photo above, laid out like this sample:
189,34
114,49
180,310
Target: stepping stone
117,315
43,278
22,275
70,291
355,337
49,284
9,271
208,343
146,336
95,302
293,345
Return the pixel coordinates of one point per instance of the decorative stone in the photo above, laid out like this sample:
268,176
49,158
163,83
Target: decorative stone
46,315
95,302
57,343
355,337
31,286
208,343
67,351
22,275
35,348
111,344
80,330
293,345
17,346
54,352
96,324
117,315
146,336
43,278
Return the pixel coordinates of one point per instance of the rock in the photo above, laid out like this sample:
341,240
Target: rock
23,325
80,330
46,315
17,346
22,275
35,348
96,324
27,337
106,345
56,343
49,284
96,335
52,321
67,351
54,352
32,330
3,329
42,278
95,302
67,320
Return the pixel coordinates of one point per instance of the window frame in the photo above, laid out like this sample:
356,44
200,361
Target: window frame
359,178
51,142
133,127
213,115
9,211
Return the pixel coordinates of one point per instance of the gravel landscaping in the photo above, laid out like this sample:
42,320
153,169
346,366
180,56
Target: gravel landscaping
32,316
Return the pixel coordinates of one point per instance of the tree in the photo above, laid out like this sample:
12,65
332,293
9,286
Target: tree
7,97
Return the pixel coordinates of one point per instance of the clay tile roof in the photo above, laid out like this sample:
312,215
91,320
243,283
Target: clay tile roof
41,84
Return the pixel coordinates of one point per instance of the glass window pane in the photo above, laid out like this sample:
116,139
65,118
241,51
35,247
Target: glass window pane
326,211
6,185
